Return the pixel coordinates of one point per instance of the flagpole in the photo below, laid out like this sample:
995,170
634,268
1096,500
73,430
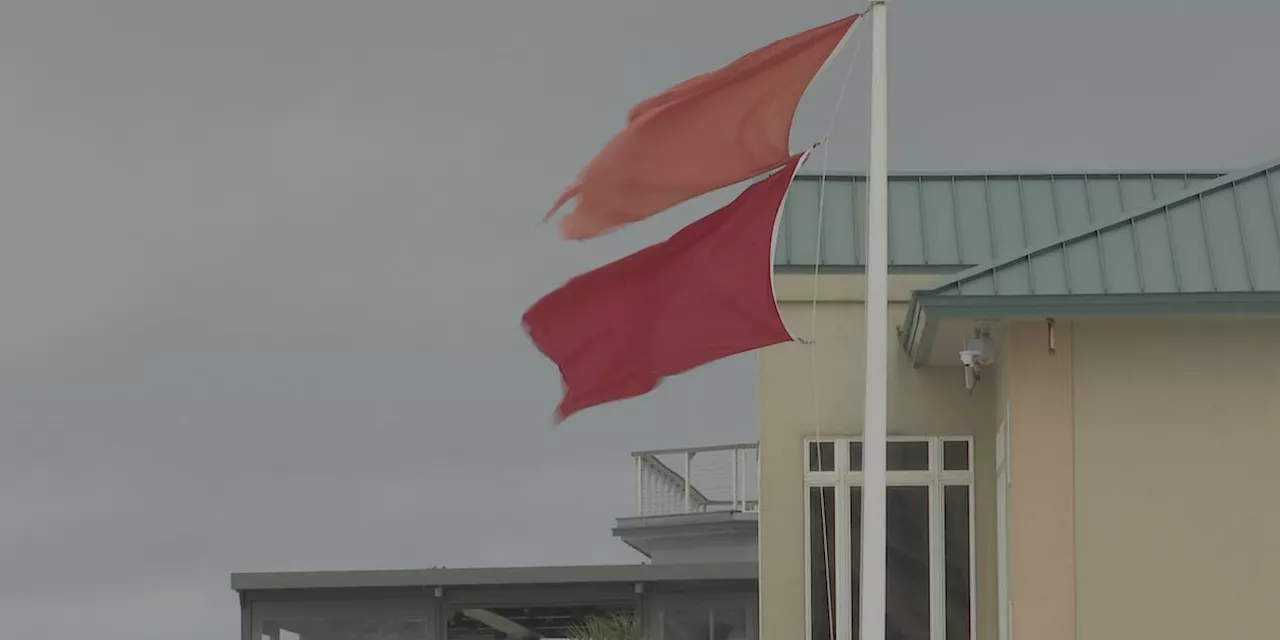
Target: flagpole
874,425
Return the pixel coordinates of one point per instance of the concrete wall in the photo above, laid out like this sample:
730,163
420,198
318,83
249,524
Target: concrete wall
929,401
1177,497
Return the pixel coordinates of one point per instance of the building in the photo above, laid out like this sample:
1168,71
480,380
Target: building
1101,475
1106,476
699,581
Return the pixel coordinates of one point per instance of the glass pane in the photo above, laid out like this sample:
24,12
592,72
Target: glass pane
539,620
729,623
353,627
907,563
955,455
822,456
855,558
907,456
900,456
685,624
822,557
955,506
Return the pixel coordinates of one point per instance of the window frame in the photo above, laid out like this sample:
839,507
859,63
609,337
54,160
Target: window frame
660,604
1004,486
843,479
325,608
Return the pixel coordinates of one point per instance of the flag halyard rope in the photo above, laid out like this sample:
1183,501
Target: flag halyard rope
813,326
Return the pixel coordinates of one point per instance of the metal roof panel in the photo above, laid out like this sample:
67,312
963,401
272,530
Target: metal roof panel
1211,248
1223,236
958,220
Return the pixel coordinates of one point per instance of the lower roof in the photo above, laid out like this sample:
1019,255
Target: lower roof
496,576
1210,250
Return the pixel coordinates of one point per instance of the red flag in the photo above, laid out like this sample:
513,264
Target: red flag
706,133
703,294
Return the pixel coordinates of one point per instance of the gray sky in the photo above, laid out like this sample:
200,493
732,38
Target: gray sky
263,262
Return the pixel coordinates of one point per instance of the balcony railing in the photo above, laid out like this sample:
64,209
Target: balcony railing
697,480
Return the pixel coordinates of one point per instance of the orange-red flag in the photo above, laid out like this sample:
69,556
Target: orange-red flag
703,134
704,294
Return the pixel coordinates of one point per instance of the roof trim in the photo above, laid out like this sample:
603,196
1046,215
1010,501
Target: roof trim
925,313
942,175
496,576
1105,305
894,270
697,524
1157,207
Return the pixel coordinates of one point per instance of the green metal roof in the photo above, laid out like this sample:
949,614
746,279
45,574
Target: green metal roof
951,221
1222,236
1211,249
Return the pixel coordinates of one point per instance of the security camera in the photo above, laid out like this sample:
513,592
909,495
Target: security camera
977,351
972,374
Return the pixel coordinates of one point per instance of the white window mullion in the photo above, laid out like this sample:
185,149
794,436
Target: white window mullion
808,561
937,566
844,573
910,478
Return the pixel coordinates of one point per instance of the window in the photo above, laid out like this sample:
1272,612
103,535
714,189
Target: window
929,515
323,618
703,616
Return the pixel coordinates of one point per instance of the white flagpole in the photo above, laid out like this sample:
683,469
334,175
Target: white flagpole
874,425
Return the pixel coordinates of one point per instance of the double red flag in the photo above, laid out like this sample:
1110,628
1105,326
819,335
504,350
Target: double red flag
706,133
707,292
704,294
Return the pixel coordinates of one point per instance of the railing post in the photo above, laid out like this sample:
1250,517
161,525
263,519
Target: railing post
688,461
757,476
640,485
736,453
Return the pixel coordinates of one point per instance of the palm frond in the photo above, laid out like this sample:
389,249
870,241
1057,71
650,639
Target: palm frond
613,626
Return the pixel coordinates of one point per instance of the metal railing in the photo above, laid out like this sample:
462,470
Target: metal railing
697,480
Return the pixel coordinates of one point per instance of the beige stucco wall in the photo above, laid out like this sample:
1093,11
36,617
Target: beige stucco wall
1144,499
1035,394
1177,437
921,402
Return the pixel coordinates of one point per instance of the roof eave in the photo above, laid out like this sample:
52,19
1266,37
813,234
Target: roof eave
500,576
928,310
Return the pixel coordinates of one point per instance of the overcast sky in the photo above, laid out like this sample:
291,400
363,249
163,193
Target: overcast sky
262,262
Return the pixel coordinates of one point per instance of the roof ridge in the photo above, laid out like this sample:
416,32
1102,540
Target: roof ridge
1160,205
